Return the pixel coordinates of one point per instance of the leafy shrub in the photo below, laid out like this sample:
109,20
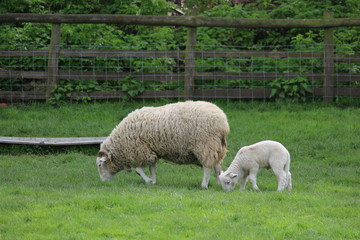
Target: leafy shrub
290,90
131,86
62,92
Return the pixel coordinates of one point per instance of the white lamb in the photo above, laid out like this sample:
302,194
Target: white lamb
191,132
248,161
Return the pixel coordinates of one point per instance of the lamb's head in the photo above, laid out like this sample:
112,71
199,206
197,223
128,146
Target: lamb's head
106,167
228,181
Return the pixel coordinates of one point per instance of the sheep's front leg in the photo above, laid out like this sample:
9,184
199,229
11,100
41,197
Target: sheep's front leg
140,171
252,179
243,182
152,169
206,177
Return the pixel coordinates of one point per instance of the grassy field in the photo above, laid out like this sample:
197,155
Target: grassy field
57,194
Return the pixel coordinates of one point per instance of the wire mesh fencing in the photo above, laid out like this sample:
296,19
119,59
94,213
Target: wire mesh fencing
86,73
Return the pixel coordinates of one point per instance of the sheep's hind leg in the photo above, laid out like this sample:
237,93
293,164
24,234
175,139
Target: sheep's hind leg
288,181
140,171
206,177
152,169
282,180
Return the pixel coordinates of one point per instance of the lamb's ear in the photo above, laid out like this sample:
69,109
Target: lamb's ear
233,175
104,155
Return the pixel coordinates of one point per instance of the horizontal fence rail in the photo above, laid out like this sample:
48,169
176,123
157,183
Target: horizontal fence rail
177,54
186,21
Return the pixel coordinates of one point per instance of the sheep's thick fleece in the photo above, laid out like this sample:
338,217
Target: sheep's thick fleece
191,132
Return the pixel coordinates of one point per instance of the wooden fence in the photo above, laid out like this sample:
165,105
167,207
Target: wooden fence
51,76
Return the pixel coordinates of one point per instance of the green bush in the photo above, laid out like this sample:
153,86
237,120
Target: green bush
62,92
290,90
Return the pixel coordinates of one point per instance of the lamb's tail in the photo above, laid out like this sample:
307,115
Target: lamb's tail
288,174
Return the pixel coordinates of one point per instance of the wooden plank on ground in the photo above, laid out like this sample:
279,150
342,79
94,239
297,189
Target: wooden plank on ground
52,141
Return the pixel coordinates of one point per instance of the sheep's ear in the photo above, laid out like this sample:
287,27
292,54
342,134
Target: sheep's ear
104,155
233,175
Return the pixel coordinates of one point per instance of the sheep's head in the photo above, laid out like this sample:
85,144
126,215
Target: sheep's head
228,181
105,166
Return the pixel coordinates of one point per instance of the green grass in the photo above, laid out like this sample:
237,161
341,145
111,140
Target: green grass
59,195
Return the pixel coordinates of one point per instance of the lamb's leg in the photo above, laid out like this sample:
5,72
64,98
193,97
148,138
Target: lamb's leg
152,169
243,182
206,177
217,173
252,179
282,180
288,181
140,171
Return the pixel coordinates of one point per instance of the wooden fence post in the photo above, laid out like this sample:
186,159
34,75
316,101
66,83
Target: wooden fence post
328,85
53,61
189,74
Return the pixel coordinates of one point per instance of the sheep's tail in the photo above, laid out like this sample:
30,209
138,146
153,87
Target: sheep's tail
223,142
223,152
288,174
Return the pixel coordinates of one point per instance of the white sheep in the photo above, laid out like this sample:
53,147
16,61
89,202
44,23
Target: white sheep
191,132
248,161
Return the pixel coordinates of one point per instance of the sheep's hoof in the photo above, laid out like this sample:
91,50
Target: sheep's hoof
150,181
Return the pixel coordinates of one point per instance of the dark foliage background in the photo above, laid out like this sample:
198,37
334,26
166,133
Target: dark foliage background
143,36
